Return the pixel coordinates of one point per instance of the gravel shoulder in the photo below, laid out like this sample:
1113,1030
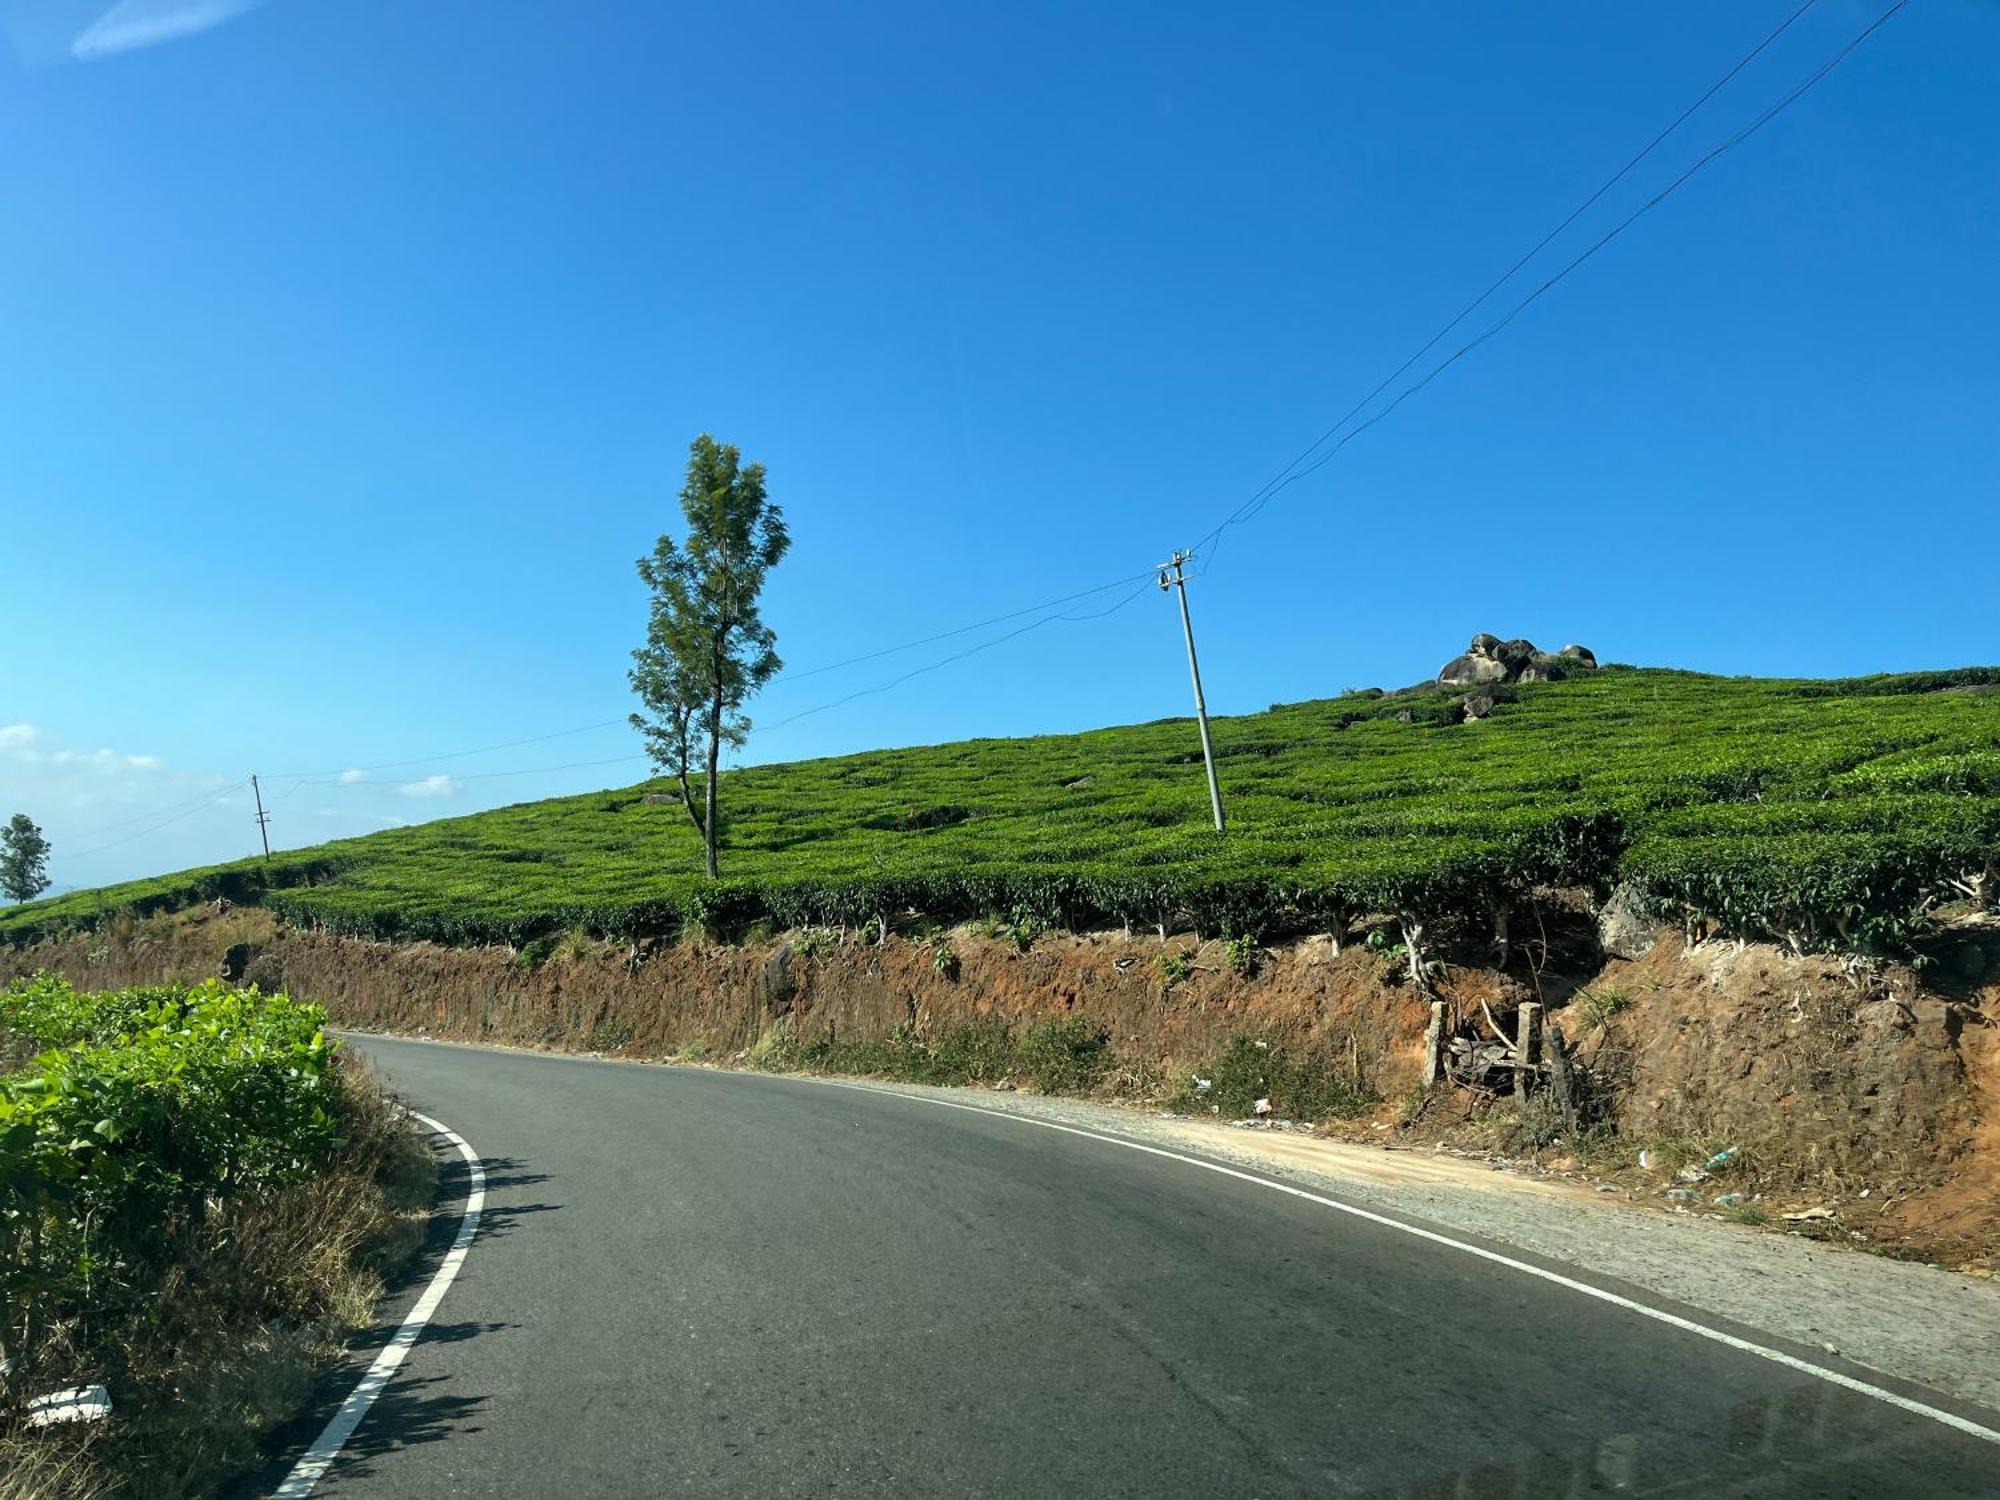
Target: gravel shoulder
1918,1323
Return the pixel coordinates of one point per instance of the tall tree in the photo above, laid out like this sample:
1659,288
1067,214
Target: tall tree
707,649
24,859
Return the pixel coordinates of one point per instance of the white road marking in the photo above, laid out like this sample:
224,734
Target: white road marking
1658,1315
310,1469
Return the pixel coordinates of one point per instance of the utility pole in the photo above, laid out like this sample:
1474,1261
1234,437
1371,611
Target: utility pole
264,818
1177,579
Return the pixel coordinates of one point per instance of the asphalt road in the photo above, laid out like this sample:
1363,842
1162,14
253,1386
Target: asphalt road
715,1284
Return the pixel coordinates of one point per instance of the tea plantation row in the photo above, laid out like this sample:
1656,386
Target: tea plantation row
1826,813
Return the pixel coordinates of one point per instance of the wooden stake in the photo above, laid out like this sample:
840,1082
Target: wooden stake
1434,1044
1524,1047
1560,1079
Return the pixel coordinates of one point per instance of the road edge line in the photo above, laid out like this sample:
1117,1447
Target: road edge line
1601,1294
317,1459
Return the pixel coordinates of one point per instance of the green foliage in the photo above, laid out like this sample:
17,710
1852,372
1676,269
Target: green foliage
1172,967
532,954
708,650
1300,1086
1598,1006
1768,808
1023,927
816,944
143,1109
1061,1056
1066,1055
944,958
24,859
1241,954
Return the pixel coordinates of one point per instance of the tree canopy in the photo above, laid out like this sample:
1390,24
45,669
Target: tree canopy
707,649
24,859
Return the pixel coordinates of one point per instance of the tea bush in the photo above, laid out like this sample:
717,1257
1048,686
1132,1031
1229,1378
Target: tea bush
143,1111
1832,814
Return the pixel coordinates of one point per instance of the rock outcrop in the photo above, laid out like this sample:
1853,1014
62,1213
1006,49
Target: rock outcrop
1490,660
1625,928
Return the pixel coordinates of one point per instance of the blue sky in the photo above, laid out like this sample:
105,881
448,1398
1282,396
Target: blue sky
351,351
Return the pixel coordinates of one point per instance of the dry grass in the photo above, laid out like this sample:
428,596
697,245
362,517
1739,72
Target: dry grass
227,1346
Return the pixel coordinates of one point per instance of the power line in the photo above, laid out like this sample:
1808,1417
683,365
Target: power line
313,777
1291,473
962,655
424,760
200,799
222,796
1605,239
945,635
379,786
1250,508
1508,275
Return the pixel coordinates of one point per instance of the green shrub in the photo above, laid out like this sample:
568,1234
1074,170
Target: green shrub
1827,814
147,1108
1067,1055
532,954
1600,1005
1300,1086
944,958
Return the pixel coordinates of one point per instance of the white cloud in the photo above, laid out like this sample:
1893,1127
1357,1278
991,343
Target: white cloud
132,24
22,743
431,786
349,778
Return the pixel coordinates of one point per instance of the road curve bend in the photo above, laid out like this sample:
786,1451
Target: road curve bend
689,1282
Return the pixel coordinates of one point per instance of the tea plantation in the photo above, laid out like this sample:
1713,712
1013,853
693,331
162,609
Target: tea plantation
1829,814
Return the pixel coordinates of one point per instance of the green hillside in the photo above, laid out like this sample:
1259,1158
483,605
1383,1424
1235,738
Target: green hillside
1829,813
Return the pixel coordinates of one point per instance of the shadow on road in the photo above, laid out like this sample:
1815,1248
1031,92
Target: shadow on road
414,1408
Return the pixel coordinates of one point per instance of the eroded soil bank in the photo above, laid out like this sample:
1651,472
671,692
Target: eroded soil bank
1869,1093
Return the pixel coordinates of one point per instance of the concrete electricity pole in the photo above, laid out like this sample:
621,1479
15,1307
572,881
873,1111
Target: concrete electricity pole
1177,579
263,818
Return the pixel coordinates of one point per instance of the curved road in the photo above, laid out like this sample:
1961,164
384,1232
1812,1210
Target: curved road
712,1284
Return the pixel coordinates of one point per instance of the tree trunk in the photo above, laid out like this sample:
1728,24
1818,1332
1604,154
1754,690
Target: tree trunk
714,761
687,801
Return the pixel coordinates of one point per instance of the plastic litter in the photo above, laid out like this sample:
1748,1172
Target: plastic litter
1806,1214
1262,1106
1721,1158
1693,1174
1203,1085
77,1403
1646,1160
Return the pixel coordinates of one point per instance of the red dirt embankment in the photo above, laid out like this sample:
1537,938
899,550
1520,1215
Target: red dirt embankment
1861,1090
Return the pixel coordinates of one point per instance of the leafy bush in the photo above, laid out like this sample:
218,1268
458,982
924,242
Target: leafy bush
1066,1055
147,1106
1300,1087
1828,813
944,958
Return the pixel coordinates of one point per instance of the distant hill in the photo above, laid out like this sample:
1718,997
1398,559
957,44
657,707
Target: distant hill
1829,813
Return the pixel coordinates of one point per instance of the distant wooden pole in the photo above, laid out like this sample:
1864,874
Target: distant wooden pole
1524,1047
263,818
1434,1044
